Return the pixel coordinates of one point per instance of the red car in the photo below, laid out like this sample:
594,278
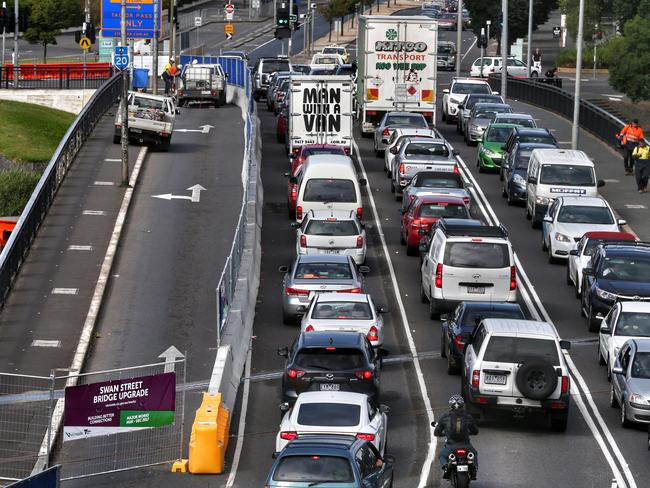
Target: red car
281,127
424,211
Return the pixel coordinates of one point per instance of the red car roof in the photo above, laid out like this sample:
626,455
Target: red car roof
616,236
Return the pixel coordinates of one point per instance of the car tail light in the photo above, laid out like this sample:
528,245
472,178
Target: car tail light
439,275
373,334
309,328
299,212
386,132
359,213
427,114
296,150
456,168
513,278
213,93
482,400
347,150
350,290
401,168
461,452
565,384
371,112
465,199
301,160
476,378
359,242
418,223
295,373
364,375
458,340
296,291
294,193
303,240
366,437
288,436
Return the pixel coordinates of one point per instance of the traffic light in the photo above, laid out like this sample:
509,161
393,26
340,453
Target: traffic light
3,18
77,36
90,32
482,41
172,16
282,32
282,15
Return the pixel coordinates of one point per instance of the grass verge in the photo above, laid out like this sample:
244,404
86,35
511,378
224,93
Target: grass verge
16,186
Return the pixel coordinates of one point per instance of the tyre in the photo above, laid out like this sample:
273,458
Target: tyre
601,359
443,347
444,117
528,216
568,276
504,193
613,402
389,174
217,103
452,368
379,153
551,258
286,318
402,241
460,480
609,371
578,291
164,146
398,197
392,186
536,379
594,322
625,423
366,135
544,246
423,296
256,98
479,165
509,200
471,142
559,422
412,250
433,313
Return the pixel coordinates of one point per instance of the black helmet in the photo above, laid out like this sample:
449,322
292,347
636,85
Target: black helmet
456,402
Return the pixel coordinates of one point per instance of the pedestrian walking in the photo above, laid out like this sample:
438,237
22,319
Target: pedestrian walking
641,155
169,71
629,137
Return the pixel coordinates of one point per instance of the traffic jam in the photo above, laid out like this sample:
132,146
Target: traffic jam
334,426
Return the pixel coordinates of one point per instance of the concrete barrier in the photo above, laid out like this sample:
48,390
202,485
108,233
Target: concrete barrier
67,100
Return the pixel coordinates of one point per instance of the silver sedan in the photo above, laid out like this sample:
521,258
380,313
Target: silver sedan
396,119
631,382
480,117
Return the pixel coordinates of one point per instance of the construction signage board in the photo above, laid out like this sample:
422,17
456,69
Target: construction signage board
125,405
139,18
229,28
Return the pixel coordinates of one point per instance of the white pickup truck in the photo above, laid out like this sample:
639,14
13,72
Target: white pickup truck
151,119
202,83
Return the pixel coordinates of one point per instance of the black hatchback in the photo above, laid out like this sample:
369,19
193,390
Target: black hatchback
462,322
331,361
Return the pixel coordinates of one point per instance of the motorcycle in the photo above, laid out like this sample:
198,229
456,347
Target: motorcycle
460,465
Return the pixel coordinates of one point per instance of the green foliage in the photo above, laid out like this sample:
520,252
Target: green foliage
48,17
594,11
567,58
625,10
31,133
630,60
16,186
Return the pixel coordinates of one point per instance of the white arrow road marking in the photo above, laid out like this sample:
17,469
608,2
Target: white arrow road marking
196,194
203,129
170,356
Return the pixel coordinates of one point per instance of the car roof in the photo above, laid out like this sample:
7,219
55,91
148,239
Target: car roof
470,222
321,258
534,131
332,396
491,306
491,105
427,140
319,444
469,80
404,113
583,201
642,345
503,125
336,159
519,327
632,306
342,297
495,96
562,156
321,146
332,214
331,338
439,198
534,145
626,249
619,236
516,115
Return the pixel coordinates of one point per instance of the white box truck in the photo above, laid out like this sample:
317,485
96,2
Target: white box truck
320,111
397,67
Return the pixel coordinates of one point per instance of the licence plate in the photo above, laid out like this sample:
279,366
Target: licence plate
137,131
205,92
462,467
330,387
479,290
332,251
495,379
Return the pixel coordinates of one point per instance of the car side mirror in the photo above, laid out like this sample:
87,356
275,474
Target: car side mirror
178,111
393,150
382,310
283,269
295,225
455,152
384,409
588,271
382,352
293,180
574,252
605,330
363,182
301,309
566,345
283,351
622,221
617,370
364,269
285,407
446,90
547,218
532,180
600,183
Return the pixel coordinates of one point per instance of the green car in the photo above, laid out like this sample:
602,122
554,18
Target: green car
490,149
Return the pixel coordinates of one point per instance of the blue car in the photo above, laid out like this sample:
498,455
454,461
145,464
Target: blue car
330,461
514,169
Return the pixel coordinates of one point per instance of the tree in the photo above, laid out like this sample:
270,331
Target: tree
48,17
594,11
625,10
335,9
629,69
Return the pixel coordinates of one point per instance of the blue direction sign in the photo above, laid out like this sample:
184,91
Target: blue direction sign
139,18
121,57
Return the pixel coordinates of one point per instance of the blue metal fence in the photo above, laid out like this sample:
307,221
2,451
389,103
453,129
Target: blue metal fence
235,68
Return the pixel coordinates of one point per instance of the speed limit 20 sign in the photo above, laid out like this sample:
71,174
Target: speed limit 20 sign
121,57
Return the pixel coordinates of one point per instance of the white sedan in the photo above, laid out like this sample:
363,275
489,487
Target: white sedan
335,412
625,321
580,256
568,218
345,312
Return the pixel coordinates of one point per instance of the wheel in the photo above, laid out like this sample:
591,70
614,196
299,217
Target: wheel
500,174
551,259
609,370
601,359
217,103
504,193
379,153
568,276
452,369
528,216
444,117
412,250
389,174
479,166
559,422
256,98
460,480
164,146
544,246
286,318
402,241
443,347
625,423
578,291
509,200
398,197
423,296
433,313
392,186
471,142
613,402
593,321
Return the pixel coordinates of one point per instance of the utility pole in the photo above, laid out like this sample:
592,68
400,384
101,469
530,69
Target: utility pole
85,31
504,48
459,36
124,105
16,63
154,41
529,59
482,50
4,31
290,29
576,95
488,23
172,29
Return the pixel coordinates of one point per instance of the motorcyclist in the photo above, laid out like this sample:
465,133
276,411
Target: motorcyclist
456,426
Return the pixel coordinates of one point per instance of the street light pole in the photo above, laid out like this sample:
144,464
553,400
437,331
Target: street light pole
504,49
488,23
124,105
530,36
154,41
16,64
576,96
4,32
459,36
290,29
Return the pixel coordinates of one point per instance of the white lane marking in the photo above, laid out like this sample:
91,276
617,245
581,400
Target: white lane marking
104,183
93,310
262,45
242,421
487,209
611,180
615,99
45,343
635,206
426,467
79,248
65,291
468,50
94,212
113,160
564,142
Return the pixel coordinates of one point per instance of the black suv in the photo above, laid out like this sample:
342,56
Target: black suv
514,169
331,361
528,134
617,272
462,322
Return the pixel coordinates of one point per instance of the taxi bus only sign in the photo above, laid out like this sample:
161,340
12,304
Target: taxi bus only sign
139,18
125,405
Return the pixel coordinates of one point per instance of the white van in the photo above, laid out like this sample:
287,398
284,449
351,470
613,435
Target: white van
328,182
557,172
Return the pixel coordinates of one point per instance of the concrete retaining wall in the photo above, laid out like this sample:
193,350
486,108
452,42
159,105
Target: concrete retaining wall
67,100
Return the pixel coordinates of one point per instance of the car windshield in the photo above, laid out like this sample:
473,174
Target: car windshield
271,66
448,17
330,359
313,469
342,311
519,350
469,104
147,103
310,151
407,120
329,414
446,50
641,365
567,175
331,228
464,88
329,190
471,318
539,139
326,60
489,113
626,268
579,214
444,210
426,149
437,182
518,121
477,255
633,324
333,50
323,271
523,158
593,244
498,134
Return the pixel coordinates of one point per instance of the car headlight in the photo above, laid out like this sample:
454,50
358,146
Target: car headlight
473,127
542,200
639,400
605,295
562,237
489,153
518,180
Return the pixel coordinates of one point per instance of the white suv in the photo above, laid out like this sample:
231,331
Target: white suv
456,93
517,365
467,263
